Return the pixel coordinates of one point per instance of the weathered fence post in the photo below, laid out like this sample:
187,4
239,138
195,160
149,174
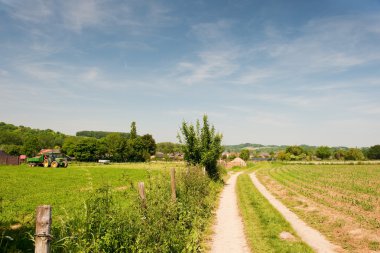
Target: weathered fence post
172,177
204,170
142,194
43,225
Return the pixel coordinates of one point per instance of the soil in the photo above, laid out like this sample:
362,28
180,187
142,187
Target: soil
339,227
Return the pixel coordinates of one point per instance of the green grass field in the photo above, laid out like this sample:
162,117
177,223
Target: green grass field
23,188
341,201
85,196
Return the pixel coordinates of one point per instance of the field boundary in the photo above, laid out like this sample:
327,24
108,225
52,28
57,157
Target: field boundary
309,235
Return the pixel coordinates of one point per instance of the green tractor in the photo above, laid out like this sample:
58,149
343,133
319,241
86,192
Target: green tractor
48,158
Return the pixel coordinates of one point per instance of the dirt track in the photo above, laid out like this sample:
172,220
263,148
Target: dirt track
229,232
309,235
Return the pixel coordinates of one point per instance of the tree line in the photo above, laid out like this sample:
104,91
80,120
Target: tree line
117,147
296,153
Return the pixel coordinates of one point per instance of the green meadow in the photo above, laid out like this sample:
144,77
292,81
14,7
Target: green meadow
93,203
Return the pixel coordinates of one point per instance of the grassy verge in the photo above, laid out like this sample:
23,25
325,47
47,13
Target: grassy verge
263,224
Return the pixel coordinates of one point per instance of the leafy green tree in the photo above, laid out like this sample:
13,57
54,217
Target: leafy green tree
116,145
374,152
244,154
133,133
168,147
339,154
86,150
31,146
282,155
138,150
69,145
12,149
323,152
149,143
354,154
98,134
8,137
295,150
201,146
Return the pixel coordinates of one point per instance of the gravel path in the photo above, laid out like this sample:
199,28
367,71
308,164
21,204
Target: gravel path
309,235
229,232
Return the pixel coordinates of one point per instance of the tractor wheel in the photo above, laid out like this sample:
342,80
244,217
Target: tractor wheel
65,164
46,163
54,164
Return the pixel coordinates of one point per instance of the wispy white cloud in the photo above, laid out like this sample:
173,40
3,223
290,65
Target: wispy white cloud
255,76
41,71
30,11
211,31
328,44
80,14
91,74
270,119
210,65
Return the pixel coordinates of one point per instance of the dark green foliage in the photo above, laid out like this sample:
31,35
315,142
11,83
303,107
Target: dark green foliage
116,145
149,143
323,152
244,154
86,146
169,147
98,134
295,150
201,146
133,134
374,152
86,150
137,151
139,148
17,140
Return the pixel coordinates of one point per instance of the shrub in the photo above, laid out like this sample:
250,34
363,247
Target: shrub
162,226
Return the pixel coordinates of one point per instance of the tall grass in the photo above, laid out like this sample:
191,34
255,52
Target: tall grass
114,222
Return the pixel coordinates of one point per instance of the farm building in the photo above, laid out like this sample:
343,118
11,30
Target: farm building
236,162
8,159
22,158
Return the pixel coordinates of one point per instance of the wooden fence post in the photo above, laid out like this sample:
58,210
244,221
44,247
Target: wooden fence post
172,177
204,170
43,225
142,194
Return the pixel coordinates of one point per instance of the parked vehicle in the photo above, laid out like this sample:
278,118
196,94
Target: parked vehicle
48,158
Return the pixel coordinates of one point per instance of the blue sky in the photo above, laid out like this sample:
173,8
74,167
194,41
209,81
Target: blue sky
270,72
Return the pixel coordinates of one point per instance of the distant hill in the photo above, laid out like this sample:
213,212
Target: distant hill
239,147
98,134
269,148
